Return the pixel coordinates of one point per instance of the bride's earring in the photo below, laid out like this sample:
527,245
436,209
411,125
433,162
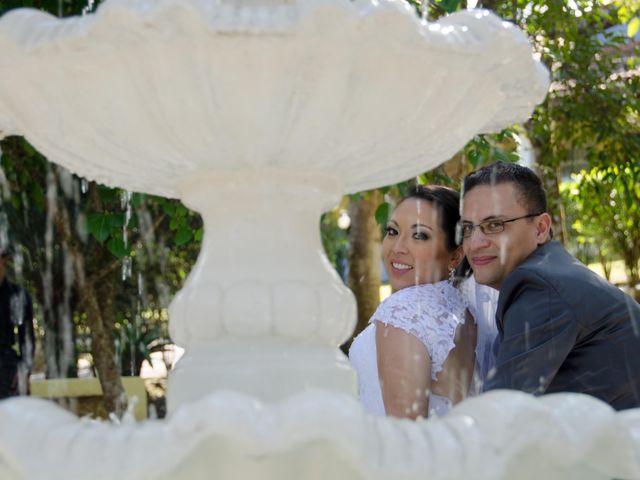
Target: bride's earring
452,275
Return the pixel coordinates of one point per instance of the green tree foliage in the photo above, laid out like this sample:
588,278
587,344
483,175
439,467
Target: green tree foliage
590,116
97,259
604,203
137,339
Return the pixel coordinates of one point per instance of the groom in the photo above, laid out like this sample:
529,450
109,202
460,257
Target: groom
562,328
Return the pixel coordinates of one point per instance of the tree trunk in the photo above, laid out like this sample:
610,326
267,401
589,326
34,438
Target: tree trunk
58,300
364,256
605,264
100,322
561,215
633,273
100,316
58,345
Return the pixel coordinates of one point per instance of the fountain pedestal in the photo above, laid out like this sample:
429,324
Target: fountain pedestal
262,312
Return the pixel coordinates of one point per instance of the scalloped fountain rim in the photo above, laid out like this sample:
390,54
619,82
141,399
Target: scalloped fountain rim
310,134
554,433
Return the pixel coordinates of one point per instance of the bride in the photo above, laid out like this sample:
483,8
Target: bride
417,356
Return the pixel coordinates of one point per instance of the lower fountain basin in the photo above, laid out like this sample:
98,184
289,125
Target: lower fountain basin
321,434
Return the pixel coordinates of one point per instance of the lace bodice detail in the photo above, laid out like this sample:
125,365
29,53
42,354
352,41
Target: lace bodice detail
430,312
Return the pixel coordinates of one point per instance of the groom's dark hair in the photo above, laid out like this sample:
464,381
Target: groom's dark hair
528,186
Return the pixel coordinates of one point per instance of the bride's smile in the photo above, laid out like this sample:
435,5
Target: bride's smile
414,248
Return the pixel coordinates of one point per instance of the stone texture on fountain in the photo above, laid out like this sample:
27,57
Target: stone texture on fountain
260,114
319,435
147,94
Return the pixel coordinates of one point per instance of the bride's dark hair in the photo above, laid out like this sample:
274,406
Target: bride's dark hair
446,202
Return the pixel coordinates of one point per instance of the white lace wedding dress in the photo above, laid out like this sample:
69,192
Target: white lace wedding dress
430,312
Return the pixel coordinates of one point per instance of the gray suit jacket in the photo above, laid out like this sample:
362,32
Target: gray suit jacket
562,328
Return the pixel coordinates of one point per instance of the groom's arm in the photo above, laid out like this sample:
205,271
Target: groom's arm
539,331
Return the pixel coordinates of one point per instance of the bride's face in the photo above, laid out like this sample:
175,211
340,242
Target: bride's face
414,248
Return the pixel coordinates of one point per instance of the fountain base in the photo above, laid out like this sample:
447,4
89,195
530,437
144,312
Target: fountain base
308,461
268,371
318,434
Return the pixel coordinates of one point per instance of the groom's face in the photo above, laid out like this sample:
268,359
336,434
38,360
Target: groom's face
494,255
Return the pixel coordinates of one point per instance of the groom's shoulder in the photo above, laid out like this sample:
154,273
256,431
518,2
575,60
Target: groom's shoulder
546,271
562,278
549,263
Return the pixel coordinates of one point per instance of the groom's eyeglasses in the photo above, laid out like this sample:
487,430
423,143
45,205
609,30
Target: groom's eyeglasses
490,227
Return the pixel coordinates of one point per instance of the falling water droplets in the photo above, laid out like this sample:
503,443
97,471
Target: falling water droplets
89,8
52,202
4,184
164,292
424,12
4,230
126,267
65,314
66,182
142,290
125,197
18,266
125,204
25,211
80,226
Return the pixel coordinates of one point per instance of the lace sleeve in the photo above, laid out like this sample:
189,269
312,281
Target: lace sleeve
429,312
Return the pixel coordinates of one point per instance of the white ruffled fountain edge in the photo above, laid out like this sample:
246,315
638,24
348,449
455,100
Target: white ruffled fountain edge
262,93
319,434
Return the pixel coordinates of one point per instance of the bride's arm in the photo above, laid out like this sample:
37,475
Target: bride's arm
404,369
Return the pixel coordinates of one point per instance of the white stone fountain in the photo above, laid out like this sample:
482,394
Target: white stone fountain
260,114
